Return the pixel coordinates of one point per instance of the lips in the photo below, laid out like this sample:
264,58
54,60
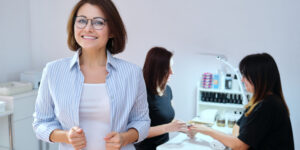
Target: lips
89,37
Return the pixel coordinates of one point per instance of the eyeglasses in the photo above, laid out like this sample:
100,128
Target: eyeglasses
97,23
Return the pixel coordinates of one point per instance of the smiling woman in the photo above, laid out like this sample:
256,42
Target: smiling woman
84,101
109,17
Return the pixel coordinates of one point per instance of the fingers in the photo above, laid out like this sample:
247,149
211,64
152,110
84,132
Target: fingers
77,141
181,125
79,144
179,122
77,138
191,135
113,146
184,129
113,137
194,128
176,126
77,131
110,135
114,141
200,128
76,135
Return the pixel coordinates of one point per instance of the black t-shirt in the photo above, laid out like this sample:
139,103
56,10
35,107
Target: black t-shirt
160,112
268,127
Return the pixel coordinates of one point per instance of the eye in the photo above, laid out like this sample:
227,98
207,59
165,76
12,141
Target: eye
98,22
82,21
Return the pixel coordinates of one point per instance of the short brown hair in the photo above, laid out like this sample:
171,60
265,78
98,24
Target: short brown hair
116,26
156,69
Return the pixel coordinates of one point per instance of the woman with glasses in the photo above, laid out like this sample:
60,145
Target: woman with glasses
265,124
93,100
157,71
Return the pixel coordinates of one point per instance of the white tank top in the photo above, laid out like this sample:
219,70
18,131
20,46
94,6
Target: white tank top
94,115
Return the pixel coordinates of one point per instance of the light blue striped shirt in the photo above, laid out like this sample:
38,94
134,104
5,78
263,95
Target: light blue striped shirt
57,104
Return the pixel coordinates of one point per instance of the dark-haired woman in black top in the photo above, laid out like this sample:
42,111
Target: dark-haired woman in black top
265,124
157,70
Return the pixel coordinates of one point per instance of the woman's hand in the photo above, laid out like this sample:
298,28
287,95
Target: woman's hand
191,133
76,138
114,141
200,128
175,126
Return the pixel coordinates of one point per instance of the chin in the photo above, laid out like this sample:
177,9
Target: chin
86,46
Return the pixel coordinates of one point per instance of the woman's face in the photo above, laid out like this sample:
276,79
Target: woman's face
249,86
88,37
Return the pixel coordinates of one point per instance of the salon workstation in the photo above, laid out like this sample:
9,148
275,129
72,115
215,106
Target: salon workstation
207,39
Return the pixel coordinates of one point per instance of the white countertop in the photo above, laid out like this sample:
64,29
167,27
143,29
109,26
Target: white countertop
183,142
200,142
6,113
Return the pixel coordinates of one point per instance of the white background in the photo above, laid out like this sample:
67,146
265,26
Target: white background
33,32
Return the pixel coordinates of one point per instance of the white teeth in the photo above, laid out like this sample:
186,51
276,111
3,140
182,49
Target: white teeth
89,37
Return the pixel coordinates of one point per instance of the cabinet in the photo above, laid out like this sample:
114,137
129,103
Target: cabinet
22,107
226,102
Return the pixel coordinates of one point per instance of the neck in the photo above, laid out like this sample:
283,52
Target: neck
93,57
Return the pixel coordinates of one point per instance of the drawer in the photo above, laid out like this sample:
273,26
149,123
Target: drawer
24,136
4,134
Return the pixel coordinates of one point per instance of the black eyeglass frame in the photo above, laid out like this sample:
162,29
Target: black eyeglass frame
75,18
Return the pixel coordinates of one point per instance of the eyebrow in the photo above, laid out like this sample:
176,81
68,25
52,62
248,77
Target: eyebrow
93,18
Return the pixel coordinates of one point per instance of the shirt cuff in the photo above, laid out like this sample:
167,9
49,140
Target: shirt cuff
45,132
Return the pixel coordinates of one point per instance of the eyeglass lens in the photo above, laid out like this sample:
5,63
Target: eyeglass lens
97,23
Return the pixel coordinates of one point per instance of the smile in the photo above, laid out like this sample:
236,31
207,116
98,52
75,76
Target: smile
89,37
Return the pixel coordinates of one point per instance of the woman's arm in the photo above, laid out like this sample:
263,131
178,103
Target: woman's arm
173,126
157,130
75,136
59,136
44,117
235,130
139,114
228,140
115,140
130,136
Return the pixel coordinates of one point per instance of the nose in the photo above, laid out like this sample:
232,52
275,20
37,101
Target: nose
89,26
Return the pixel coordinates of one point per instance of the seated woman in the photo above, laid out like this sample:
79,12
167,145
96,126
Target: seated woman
157,70
265,124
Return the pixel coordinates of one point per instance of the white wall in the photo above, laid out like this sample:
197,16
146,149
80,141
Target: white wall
15,52
48,30
235,28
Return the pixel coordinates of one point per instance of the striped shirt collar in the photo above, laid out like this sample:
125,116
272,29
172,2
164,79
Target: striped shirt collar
111,61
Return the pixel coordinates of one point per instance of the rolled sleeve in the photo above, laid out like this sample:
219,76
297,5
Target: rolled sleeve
139,115
44,117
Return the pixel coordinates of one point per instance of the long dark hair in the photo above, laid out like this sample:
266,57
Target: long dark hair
156,69
262,72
